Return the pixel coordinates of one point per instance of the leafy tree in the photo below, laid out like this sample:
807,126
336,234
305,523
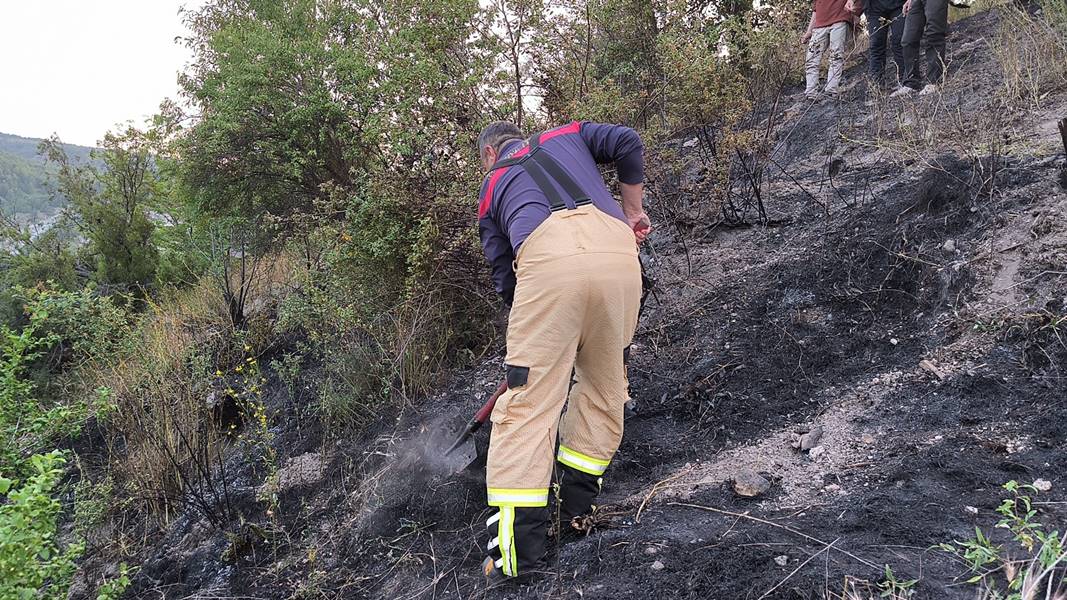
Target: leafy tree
343,131
109,206
510,28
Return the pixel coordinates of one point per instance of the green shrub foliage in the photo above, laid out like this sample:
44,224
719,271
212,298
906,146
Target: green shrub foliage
32,564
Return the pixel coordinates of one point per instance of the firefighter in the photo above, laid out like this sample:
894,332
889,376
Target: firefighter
564,258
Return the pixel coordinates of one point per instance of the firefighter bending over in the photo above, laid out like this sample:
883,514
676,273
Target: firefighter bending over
564,258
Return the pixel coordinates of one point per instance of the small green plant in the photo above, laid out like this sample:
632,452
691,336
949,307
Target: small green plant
288,369
91,504
1041,550
979,552
112,589
32,565
104,404
891,587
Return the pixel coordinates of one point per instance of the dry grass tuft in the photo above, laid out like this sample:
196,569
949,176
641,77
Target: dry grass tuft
1031,48
172,388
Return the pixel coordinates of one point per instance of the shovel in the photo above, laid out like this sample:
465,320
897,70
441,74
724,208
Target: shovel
461,452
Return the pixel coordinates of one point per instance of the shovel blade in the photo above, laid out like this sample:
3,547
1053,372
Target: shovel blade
439,459
460,458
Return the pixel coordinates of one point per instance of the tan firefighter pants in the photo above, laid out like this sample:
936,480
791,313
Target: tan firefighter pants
576,304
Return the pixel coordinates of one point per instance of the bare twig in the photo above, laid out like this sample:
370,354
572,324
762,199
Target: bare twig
656,488
799,567
779,526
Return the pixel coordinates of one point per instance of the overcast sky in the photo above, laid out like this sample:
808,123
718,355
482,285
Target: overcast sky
79,67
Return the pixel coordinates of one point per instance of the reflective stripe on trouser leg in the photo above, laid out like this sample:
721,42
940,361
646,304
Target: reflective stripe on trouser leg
582,462
579,482
517,538
577,493
501,546
506,535
518,497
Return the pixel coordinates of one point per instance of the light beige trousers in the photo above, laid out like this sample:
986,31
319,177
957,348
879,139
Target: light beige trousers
575,310
833,37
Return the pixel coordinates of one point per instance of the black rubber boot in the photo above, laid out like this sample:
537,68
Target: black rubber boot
577,492
529,530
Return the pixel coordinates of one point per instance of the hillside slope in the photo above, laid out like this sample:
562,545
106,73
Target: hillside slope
906,297
24,188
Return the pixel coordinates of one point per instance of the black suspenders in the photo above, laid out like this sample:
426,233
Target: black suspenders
544,169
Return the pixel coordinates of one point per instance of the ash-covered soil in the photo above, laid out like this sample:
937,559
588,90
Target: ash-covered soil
903,303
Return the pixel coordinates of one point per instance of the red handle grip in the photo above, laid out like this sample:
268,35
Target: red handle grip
483,413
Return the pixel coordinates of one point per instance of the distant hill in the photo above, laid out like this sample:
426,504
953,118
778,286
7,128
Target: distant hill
24,189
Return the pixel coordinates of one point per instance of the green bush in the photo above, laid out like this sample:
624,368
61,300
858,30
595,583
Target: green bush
21,418
82,325
32,565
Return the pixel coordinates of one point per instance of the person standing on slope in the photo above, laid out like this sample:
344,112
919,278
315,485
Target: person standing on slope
925,20
564,258
885,27
829,28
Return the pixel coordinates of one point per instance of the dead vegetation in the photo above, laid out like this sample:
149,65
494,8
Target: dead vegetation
1031,48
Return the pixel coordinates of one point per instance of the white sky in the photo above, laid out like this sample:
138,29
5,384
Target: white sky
79,67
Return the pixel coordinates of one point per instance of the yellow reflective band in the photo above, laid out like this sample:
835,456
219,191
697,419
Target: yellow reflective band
582,462
506,535
524,497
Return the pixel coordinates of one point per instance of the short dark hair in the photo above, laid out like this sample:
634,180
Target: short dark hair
495,134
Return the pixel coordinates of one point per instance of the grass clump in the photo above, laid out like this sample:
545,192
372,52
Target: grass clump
1031,48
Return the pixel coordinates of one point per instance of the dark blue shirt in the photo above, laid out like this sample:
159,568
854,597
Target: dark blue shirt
511,205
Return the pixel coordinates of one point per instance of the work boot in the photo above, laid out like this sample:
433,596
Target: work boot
494,576
930,89
902,92
516,545
577,491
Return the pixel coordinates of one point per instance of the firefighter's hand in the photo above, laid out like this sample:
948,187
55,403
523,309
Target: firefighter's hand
907,7
640,224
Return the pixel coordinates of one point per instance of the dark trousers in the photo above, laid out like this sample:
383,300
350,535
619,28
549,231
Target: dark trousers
927,20
885,27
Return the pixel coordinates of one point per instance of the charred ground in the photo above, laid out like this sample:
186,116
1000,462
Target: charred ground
873,262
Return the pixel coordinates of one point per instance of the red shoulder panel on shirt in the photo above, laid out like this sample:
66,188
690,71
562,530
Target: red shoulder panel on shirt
572,127
487,199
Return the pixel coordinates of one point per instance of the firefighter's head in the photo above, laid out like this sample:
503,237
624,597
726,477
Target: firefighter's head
493,138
